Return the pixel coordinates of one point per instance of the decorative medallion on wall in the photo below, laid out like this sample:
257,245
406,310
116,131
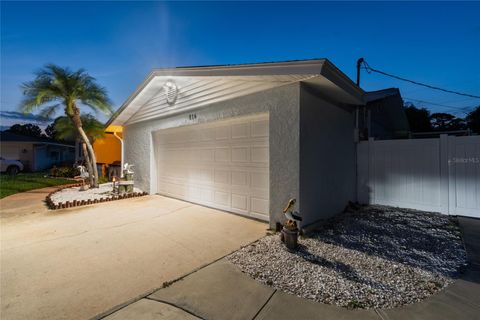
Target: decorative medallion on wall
171,92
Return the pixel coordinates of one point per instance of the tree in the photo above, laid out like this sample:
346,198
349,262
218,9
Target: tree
473,120
442,121
65,130
50,131
55,87
28,129
418,118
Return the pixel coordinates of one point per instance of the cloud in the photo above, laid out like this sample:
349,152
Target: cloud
9,118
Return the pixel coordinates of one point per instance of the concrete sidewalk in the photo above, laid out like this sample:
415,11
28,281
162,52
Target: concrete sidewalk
221,291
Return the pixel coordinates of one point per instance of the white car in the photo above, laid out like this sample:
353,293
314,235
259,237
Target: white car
11,167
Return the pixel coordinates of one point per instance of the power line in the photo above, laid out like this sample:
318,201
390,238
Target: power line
440,105
370,69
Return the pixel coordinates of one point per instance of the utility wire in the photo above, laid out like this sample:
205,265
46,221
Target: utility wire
461,109
455,110
370,69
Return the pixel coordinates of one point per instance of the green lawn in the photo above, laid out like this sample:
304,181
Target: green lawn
27,181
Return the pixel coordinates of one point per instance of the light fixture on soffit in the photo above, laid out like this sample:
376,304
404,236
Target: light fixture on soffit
171,92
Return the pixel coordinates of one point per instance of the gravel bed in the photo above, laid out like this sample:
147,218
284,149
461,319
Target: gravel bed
370,257
69,194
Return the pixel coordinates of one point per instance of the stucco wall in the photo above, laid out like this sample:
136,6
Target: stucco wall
327,158
282,104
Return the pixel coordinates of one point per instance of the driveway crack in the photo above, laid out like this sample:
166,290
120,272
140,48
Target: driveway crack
174,305
263,306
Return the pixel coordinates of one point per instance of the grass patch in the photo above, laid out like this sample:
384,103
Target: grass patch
27,181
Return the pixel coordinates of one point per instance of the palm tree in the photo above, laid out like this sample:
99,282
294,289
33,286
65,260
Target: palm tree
94,129
55,87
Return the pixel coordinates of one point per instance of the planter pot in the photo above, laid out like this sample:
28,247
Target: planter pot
290,238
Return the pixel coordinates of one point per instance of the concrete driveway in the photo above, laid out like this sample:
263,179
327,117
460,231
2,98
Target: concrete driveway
77,263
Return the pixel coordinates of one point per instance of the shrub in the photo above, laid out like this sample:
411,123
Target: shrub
64,172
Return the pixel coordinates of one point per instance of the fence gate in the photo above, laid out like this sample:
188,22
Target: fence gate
441,174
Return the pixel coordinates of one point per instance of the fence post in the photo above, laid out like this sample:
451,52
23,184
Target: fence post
452,174
444,173
371,170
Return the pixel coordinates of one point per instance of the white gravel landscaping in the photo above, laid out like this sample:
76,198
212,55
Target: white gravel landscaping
104,190
374,257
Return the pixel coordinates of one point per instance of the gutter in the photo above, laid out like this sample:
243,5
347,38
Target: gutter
121,153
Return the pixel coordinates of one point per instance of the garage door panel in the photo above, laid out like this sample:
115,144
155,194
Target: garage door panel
240,130
223,164
222,198
260,154
222,133
222,154
241,154
241,179
240,202
260,128
222,177
259,205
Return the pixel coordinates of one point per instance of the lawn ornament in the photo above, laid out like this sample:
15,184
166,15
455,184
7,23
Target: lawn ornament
84,175
127,168
289,233
125,185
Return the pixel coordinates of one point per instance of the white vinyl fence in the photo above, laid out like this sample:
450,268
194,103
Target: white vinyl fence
441,174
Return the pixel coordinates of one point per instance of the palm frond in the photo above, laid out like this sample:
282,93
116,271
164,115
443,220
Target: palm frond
66,130
62,85
49,111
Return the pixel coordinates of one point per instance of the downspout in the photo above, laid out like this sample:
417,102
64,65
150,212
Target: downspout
121,153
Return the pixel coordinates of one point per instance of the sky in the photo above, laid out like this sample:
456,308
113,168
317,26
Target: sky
437,43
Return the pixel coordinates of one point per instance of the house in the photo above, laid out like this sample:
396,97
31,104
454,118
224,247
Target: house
108,151
246,138
35,153
383,116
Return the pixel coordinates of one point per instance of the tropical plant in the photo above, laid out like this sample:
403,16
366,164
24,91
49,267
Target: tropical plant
55,87
65,130
94,129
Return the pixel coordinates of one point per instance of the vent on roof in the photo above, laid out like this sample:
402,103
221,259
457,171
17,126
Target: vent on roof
171,92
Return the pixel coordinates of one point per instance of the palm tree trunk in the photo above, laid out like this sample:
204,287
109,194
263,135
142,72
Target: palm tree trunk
88,163
93,159
77,121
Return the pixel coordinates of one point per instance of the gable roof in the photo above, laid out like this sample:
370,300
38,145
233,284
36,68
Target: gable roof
200,86
381,94
389,103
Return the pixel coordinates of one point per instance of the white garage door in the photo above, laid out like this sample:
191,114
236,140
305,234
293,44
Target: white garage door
223,164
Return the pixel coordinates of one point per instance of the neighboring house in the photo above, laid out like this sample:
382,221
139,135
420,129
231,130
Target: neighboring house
383,117
246,138
108,150
35,153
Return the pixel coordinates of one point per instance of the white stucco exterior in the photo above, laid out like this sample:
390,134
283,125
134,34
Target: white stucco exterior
327,157
282,104
310,107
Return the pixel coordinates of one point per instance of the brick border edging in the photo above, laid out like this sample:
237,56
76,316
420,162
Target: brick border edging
78,203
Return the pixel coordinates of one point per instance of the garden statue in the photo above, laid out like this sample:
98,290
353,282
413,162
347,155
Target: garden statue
289,233
125,185
127,168
84,176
